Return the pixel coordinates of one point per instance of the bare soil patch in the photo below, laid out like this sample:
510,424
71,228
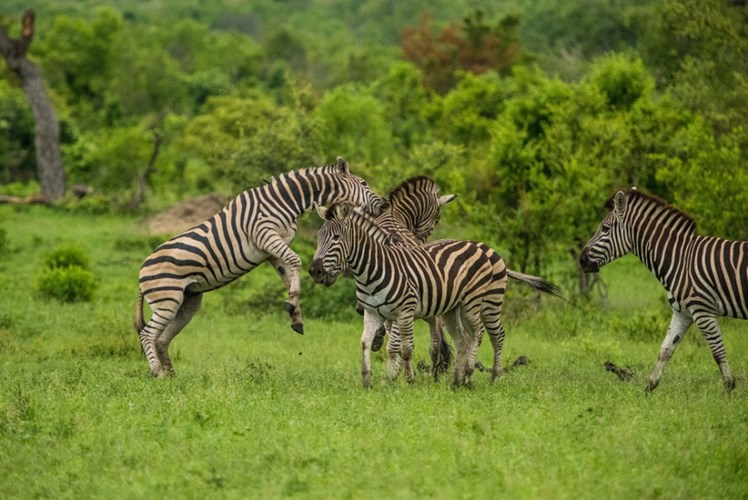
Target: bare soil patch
189,213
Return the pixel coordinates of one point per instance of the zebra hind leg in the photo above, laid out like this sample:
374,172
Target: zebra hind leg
393,352
185,313
710,329
160,320
454,327
288,270
491,319
473,332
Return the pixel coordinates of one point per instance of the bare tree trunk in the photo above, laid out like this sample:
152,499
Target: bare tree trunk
138,196
47,128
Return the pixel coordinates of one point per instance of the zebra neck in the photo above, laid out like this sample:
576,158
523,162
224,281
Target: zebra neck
367,252
299,190
662,248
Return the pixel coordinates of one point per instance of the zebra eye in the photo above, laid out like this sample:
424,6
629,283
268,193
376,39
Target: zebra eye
364,183
605,229
335,237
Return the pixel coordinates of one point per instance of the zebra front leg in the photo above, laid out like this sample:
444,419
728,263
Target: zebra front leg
679,324
709,327
288,266
372,324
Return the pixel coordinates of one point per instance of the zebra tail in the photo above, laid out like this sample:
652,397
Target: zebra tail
537,283
139,322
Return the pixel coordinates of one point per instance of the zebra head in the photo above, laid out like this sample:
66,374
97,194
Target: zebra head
417,203
357,192
611,240
332,245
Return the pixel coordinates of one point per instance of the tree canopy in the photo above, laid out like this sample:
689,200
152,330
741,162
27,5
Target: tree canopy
533,111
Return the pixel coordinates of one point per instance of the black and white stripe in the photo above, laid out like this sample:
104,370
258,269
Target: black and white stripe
257,226
462,281
705,277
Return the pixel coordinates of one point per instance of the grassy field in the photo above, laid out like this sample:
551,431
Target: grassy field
258,411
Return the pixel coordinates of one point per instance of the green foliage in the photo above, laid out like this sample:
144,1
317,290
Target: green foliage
621,80
351,122
17,160
65,276
67,256
66,284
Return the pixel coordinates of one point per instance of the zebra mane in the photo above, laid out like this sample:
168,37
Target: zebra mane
633,194
368,223
301,171
420,182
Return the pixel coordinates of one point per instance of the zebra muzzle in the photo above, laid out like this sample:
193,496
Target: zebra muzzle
319,275
588,265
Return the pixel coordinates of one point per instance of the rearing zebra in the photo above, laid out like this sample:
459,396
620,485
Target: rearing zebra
704,276
258,225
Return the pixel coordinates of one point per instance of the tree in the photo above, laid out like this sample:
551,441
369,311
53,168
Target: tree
472,46
47,128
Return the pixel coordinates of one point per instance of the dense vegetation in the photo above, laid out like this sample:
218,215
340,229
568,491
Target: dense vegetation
534,111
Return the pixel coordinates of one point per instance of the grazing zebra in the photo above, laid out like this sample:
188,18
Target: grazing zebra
414,212
257,226
704,276
462,281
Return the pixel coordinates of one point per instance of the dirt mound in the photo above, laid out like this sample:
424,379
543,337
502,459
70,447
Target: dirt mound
186,214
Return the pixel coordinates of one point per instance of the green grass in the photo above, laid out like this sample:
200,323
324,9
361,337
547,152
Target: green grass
258,411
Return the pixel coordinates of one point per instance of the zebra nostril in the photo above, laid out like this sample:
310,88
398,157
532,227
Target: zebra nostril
316,268
583,259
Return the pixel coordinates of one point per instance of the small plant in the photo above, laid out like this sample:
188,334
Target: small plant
65,276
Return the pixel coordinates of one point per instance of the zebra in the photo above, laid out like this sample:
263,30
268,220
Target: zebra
461,281
257,226
704,276
413,213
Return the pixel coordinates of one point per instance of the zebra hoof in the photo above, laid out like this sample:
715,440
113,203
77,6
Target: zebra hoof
729,384
298,328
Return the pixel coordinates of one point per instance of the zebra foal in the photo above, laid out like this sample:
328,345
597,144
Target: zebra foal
704,276
257,226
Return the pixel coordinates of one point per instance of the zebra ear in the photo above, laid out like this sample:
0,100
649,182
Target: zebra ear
342,165
342,211
619,204
446,199
321,210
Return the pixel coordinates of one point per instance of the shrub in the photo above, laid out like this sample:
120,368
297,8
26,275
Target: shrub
65,275
67,256
67,284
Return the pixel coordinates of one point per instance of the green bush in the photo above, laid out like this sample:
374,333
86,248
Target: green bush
67,256
65,275
67,284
